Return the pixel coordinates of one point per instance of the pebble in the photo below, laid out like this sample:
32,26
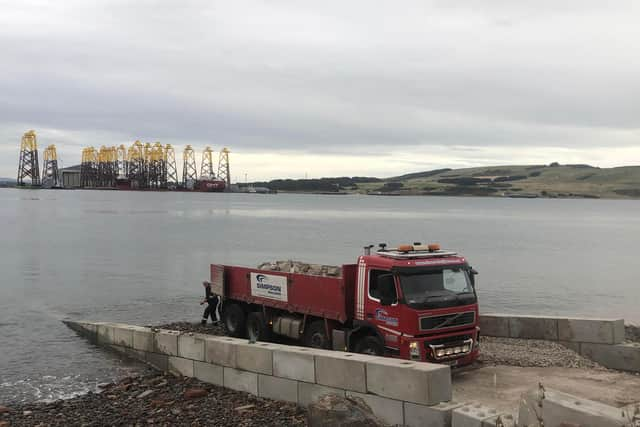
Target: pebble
194,393
145,394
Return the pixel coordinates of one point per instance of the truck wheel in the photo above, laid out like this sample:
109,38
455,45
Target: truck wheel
369,345
234,321
315,335
257,329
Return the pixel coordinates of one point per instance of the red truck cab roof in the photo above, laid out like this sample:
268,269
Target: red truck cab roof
416,257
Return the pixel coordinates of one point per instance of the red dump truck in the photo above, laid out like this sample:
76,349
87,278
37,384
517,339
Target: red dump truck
414,302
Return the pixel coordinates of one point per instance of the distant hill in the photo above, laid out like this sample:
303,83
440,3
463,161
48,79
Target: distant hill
554,180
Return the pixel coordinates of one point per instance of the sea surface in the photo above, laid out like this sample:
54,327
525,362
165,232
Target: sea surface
140,257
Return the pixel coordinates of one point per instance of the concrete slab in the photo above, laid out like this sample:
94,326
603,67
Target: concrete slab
388,410
557,409
190,346
309,393
257,357
501,387
236,379
597,331
533,327
277,388
416,382
343,370
158,361
295,364
180,366
212,374
473,415
429,416
165,342
221,351
625,357
494,325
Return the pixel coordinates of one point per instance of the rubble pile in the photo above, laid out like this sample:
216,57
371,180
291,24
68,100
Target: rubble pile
291,266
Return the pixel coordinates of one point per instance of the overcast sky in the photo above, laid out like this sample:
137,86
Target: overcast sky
326,88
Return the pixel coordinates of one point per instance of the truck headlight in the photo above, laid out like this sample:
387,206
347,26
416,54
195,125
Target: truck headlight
414,350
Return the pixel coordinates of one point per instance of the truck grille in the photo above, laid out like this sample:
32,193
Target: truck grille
447,321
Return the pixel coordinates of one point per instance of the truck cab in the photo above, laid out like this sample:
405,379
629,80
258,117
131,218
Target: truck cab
418,302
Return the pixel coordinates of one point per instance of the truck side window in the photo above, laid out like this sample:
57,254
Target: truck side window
374,292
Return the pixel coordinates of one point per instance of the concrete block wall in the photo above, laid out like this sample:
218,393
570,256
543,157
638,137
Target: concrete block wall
601,340
400,392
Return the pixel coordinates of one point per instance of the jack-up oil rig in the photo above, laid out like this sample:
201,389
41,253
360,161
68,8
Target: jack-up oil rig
152,167
139,167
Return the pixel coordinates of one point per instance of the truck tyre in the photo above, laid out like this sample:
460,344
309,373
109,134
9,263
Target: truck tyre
234,321
315,335
257,328
369,345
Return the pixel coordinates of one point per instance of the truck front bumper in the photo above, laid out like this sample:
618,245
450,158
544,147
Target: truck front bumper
452,349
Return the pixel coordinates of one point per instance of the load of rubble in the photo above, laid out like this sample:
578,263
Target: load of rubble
291,266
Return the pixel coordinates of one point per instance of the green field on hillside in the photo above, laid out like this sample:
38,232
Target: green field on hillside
581,181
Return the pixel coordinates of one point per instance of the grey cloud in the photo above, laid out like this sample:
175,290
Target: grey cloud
331,77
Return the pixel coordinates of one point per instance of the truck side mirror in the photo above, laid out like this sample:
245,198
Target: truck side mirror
387,288
472,275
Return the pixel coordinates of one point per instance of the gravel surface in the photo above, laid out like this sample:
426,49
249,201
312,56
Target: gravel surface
157,399
194,327
531,353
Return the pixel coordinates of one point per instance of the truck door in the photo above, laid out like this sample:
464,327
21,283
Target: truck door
387,317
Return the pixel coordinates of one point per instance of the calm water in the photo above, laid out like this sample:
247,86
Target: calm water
140,257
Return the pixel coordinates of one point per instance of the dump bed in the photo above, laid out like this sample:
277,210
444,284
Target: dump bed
328,297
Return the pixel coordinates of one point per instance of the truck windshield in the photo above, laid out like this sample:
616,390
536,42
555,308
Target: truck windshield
438,288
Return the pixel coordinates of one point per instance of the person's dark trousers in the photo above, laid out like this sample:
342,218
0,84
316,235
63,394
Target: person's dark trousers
210,311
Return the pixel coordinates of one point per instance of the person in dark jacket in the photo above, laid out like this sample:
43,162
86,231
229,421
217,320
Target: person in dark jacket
212,301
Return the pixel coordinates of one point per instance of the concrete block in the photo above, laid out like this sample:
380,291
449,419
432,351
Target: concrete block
502,420
494,325
388,410
277,388
105,334
597,331
134,354
416,382
257,357
85,329
473,415
165,342
221,350
180,366
429,416
158,361
212,374
236,379
343,370
123,335
625,357
309,393
533,327
190,346
143,339
295,364
559,408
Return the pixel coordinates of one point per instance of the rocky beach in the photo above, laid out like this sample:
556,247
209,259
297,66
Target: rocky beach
156,399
